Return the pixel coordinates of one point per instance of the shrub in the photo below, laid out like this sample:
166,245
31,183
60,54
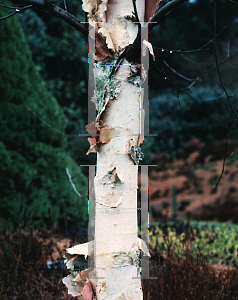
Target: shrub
33,159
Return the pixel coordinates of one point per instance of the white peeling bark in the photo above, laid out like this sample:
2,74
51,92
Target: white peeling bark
116,202
116,180
116,247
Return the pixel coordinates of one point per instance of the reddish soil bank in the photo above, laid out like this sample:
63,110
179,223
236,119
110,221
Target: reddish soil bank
195,173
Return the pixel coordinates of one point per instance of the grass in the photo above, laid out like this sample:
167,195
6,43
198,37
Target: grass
214,242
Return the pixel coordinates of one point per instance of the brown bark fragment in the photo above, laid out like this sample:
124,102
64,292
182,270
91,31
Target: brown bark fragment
150,8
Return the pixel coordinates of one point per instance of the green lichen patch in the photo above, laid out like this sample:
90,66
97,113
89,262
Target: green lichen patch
106,85
138,75
136,154
135,80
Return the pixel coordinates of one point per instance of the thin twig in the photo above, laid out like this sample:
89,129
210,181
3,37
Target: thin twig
59,12
177,73
65,6
194,50
17,10
225,158
183,91
217,63
224,88
195,62
212,69
179,51
47,124
190,85
60,180
10,7
176,90
73,185
10,15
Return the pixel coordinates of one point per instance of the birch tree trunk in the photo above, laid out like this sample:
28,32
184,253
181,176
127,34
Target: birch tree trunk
116,245
116,260
116,198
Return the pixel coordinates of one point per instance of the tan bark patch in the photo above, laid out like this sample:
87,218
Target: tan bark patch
106,134
116,34
150,8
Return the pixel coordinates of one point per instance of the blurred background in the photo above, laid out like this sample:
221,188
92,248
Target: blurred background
43,100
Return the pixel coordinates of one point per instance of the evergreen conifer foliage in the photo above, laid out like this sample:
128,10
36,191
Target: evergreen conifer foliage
33,160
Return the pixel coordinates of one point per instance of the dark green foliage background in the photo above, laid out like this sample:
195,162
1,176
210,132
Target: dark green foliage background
176,121
61,55
33,156
33,159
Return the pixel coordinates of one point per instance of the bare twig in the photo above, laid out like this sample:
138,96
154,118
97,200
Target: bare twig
11,7
194,50
57,11
60,180
73,185
17,10
10,15
195,62
65,5
225,158
211,70
47,124
190,85
179,50
176,91
176,88
180,75
224,88
217,63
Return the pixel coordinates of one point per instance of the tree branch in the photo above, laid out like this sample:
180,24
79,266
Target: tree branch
177,88
217,63
162,13
8,16
190,51
47,124
177,73
59,12
224,88
17,10
10,7
73,185
213,68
